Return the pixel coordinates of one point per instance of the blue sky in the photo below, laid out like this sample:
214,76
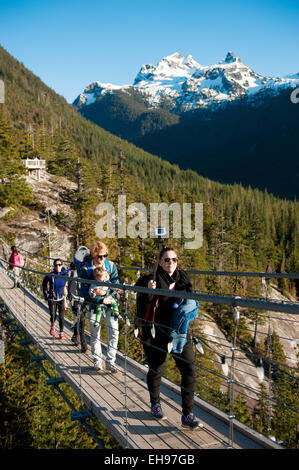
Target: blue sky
71,43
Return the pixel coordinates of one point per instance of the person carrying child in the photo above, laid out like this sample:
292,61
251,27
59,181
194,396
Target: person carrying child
98,259
171,315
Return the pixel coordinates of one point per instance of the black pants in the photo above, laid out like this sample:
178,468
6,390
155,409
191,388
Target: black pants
79,327
156,353
54,307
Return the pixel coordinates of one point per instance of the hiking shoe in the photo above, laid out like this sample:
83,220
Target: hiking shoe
98,365
190,422
157,411
111,367
75,340
52,331
61,335
83,347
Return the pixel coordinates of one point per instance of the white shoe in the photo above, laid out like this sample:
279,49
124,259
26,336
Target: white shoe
98,365
112,367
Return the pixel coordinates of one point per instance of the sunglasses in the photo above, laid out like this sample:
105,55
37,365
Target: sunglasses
175,260
101,256
57,264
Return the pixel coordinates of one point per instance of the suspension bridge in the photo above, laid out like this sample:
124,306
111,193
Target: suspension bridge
120,401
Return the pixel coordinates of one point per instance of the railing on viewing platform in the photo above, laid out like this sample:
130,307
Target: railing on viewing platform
35,164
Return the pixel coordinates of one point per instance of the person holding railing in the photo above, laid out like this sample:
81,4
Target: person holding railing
98,258
73,289
54,289
155,314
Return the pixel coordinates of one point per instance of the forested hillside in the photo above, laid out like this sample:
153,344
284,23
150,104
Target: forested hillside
251,141
128,115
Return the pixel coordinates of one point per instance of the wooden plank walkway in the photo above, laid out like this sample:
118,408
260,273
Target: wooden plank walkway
103,392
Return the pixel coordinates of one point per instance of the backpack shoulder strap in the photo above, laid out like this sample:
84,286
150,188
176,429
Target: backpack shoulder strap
108,265
88,268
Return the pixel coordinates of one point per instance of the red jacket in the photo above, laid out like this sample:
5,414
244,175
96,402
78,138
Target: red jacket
15,259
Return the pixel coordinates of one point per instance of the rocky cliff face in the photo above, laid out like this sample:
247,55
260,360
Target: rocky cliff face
245,372
30,230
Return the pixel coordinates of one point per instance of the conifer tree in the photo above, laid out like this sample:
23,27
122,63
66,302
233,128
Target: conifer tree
241,410
260,416
85,200
13,188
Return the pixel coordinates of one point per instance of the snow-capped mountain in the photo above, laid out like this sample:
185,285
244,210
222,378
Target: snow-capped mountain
188,85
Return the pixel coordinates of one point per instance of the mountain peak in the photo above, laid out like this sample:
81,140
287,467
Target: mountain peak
231,57
175,57
171,66
177,62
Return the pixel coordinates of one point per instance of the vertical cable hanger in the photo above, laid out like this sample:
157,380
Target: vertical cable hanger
269,356
230,380
78,326
39,401
36,335
36,315
125,368
54,350
25,309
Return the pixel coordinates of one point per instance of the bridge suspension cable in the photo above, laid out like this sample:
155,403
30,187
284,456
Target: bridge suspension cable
191,271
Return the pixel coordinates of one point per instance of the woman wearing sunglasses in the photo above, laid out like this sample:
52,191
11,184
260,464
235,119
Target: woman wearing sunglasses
54,289
98,258
158,311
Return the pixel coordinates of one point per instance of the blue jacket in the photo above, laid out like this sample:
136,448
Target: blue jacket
185,310
53,286
86,272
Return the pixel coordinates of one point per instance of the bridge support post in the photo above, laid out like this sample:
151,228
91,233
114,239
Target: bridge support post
55,381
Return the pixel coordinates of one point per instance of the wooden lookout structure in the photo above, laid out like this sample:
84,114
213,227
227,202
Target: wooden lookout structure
34,165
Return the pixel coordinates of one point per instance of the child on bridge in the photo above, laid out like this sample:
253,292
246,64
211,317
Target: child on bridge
100,292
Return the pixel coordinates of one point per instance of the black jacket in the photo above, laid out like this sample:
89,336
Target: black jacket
164,309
